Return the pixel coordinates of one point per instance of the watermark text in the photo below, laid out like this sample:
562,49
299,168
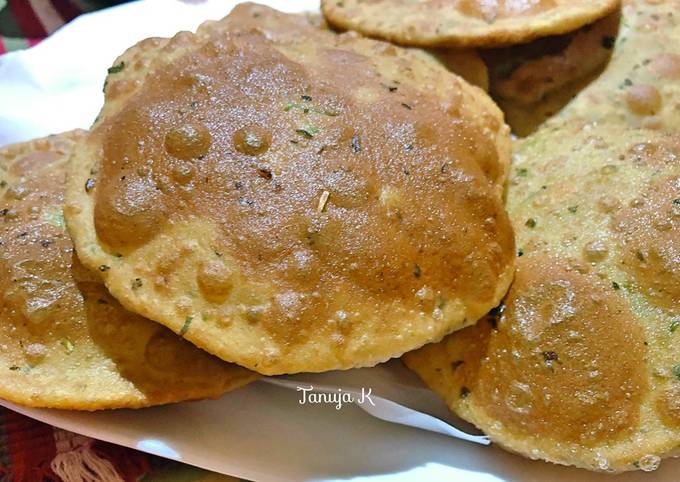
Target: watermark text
337,398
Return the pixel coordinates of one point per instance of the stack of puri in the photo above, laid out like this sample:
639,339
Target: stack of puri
579,364
263,196
532,57
268,196
64,341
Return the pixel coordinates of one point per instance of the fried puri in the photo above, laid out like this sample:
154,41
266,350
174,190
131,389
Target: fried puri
640,85
463,62
532,82
64,341
292,199
464,23
580,365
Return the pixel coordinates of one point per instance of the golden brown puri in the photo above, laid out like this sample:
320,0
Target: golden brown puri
292,199
580,365
464,23
640,86
531,82
463,62
64,341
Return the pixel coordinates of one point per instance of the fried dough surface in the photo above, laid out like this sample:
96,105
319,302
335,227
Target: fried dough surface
463,23
579,365
64,341
639,87
293,199
532,82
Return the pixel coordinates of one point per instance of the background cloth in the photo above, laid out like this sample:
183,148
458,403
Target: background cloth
24,23
31,451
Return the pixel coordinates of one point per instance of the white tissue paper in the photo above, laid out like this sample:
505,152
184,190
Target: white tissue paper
273,429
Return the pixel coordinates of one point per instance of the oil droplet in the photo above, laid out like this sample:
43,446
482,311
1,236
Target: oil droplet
182,172
290,303
342,316
602,463
35,352
520,397
252,140
188,141
643,99
302,262
215,279
425,293
595,251
649,463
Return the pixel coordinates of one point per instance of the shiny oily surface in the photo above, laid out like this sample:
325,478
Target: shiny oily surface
64,341
464,23
465,63
293,199
579,365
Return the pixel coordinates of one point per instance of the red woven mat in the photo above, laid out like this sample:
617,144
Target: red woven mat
31,451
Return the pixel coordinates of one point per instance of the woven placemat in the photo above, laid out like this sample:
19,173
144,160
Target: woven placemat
31,451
